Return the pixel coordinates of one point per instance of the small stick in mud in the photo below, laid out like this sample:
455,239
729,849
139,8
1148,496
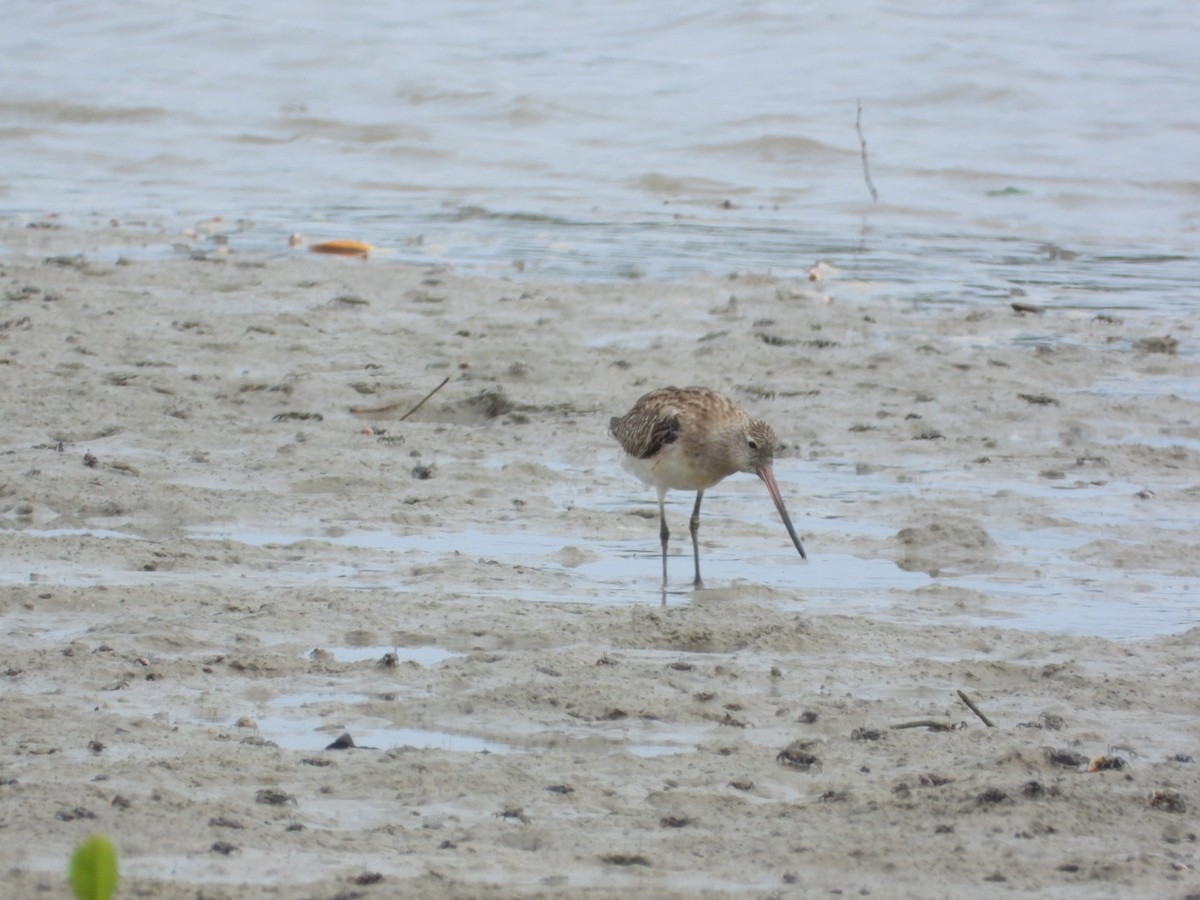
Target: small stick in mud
975,709
445,381
392,407
931,724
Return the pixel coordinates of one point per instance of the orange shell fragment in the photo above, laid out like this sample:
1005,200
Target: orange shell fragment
342,248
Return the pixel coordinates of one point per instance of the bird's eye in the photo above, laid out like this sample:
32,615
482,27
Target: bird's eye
753,444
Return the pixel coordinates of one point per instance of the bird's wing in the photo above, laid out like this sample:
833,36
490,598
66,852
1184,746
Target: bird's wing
644,436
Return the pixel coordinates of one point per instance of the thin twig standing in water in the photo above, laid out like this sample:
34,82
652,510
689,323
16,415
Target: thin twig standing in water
975,709
862,145
445,381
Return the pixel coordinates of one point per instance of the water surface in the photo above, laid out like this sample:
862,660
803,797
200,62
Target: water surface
1049,149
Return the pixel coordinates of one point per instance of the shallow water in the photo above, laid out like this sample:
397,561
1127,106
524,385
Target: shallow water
1050,590
1078,599
1062,595
311,721
1041,148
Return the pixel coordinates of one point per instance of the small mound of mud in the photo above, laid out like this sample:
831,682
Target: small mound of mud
948,542
1164,556
709,630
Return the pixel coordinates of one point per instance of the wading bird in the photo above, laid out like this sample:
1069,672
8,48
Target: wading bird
688,439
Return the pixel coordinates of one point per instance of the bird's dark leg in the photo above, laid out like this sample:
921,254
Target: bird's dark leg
663,534
694,525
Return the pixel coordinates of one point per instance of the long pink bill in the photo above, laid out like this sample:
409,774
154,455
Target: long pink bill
767,474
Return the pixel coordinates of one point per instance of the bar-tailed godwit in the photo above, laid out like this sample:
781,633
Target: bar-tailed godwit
688,439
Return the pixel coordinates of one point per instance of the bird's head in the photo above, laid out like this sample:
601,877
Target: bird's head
756,447
757,450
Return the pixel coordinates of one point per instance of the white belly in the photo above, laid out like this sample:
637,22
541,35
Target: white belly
671,469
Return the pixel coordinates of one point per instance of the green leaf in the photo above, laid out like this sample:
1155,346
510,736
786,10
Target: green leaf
94,869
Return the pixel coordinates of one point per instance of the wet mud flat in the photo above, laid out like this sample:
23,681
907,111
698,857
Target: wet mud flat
213,570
